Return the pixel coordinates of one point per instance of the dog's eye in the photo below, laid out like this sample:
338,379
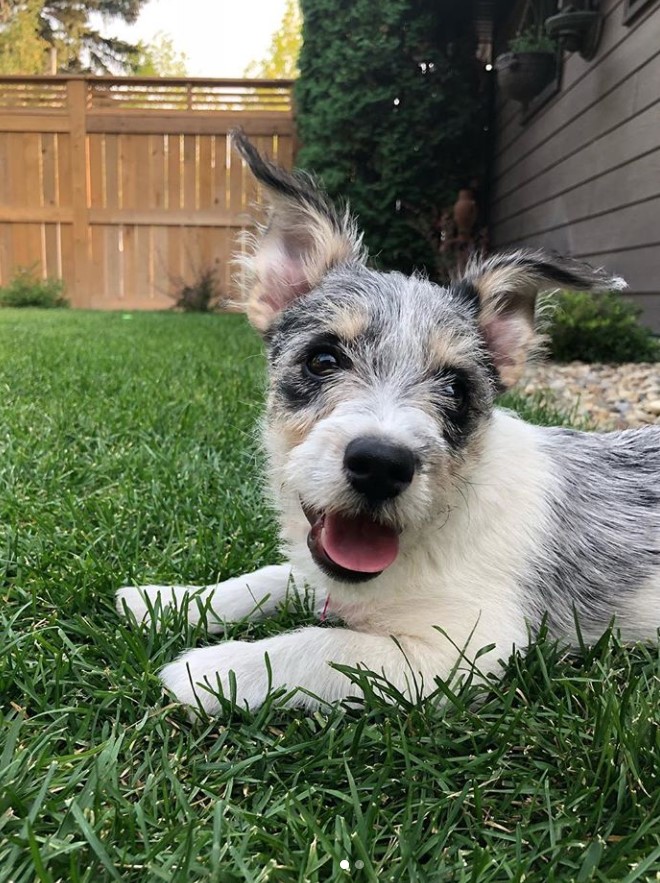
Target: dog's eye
456,388
322,363
451,387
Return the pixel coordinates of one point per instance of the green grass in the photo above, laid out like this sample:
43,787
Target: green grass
128,454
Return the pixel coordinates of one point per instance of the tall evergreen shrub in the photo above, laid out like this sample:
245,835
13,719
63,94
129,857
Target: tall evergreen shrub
390,114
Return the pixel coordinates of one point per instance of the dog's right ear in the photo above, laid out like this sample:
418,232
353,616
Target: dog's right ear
303,238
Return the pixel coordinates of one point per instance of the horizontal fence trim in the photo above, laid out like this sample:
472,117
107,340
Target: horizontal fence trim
35,215
126,218
36,121
158,218
198,95
200,105
137,122
63,79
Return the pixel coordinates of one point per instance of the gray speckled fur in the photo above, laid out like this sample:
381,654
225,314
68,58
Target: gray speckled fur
603,541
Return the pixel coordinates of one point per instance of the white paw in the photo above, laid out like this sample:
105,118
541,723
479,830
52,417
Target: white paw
144,601
198,676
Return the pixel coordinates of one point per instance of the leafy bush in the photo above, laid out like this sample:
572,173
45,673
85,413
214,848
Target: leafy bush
532,41
202,295
27,290
599,328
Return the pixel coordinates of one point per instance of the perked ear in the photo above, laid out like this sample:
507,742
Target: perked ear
304,237
508,285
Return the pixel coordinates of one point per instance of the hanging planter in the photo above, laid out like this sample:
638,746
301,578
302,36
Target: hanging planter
577,29
522,75
528,67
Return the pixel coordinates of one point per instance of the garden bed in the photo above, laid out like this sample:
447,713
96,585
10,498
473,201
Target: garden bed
609,396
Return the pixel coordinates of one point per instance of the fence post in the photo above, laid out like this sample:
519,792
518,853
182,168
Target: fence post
77,106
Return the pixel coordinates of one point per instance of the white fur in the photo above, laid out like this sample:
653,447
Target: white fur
243,597
314,470
451,592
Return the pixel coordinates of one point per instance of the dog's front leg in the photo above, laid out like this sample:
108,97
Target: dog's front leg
251,596
302,659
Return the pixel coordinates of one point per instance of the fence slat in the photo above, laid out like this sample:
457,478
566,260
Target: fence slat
49,170
96,172
52,263
189,171
205,177
77,101
111,170
174,172
156,197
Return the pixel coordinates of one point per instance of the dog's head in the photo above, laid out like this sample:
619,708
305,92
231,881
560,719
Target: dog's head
381,385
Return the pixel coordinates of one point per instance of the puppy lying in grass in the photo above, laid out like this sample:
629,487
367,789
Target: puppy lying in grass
427,520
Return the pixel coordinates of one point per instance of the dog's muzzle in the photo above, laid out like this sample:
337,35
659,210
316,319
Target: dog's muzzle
358,547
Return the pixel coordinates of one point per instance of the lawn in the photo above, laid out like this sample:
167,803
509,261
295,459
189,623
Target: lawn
129,455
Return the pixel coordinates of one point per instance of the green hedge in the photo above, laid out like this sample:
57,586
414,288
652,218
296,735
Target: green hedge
390,110
599,328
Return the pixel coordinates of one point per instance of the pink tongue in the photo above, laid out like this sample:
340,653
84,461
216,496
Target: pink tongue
359,544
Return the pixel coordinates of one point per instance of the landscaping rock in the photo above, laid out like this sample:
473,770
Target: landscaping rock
610,396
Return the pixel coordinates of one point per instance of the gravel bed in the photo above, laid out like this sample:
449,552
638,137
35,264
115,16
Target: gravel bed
612,396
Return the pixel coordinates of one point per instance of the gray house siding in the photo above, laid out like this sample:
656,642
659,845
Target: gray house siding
582,174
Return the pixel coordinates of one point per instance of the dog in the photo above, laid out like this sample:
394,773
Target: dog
430,522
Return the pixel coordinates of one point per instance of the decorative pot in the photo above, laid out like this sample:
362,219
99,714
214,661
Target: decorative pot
522,75
576,30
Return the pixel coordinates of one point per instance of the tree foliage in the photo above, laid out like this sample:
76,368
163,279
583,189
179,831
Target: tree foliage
30,29
282,59
159,58
390,115
22,48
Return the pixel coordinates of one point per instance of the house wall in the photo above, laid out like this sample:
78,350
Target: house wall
582,174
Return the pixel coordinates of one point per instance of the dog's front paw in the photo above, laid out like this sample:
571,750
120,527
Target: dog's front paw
198,676
133,600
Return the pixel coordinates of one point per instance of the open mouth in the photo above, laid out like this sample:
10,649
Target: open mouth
350,549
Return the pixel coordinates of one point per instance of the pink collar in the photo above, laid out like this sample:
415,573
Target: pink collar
325,608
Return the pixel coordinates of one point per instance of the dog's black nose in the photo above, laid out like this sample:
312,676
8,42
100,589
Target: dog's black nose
378,469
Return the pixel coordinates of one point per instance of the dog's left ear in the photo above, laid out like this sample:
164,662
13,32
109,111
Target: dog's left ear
508,285
303,238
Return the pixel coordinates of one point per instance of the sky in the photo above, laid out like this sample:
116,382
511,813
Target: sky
219,37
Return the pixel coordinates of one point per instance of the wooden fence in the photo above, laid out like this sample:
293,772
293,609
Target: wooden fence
127,187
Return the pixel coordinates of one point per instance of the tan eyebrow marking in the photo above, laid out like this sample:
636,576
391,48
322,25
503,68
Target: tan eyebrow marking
349,324
450,347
